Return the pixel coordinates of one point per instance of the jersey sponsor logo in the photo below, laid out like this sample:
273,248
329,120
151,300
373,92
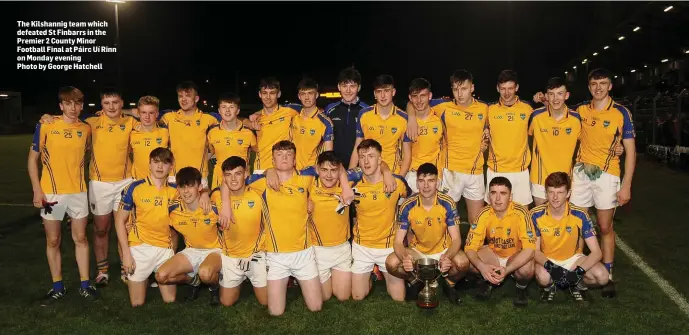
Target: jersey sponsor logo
159,140
55,132
417,222
394,129
498,117
502,243
544,230
250,203
606,123
557,232
544,130
371,128
568,130
146,200
182,223
336,119
435,130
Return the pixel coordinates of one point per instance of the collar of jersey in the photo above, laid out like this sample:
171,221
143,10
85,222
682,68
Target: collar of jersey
567,111
355,102
314,115
180,113
610,104
516,101
393,112
419,204
148,180
241,126
510,210
566,213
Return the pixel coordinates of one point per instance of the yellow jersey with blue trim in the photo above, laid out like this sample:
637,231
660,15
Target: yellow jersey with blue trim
246,234
429,226
149,217
561,239
376,212
429,143
110,152
227,143
275,127
62,147
287,215
497,232
188,138
554,143
200,231
309,134
142,142
463,135
390,132
509,138
601,131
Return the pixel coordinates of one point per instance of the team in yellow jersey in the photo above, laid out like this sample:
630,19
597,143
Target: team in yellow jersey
230,137
560,228
432,220
291,219
386,124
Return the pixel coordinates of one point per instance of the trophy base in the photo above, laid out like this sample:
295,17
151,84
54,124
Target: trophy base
427,304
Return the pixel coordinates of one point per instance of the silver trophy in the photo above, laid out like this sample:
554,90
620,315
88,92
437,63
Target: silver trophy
426,270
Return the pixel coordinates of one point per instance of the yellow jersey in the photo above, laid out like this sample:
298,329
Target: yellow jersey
287,216
110,142
509,138
149,217
327,227
429,227
274,128
188,138
554,143
62,147
200,231
498,232
429,143
464,134
376,212
246,235
561,239
227,143
601,131
390,133
142,142
309,133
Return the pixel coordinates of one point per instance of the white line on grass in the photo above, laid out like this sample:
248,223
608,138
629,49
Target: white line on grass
664,285
16,205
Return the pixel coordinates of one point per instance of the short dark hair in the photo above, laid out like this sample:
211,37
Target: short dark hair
557,180
70,93
307,84
600,73
419,84
161,154
507,76
269,82
229,97
284,145
349,74
460,76
329,157
188,86
188,176
500,181
369,143
110,92
556,82
232,163
426,169
382,81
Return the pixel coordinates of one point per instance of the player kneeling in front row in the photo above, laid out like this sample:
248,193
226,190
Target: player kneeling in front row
243,240
559,254
434,223
145,242
200,260
505,253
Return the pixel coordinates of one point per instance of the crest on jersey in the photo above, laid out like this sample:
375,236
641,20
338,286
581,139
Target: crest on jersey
301,190
606,123
387,195
522,116
568,229
79,133
198,122
251,203
207,221
568,130
529,234
240,141
394,130
122,127
492,231
282,119
435,130
509,230
473,226
159,140
480,116
312,132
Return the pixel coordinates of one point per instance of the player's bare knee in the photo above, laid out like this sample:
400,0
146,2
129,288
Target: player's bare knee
169,300
162,276
206,274
461,263
52,242
228,302
392,263
341,296
276,311
316,307
80,239
100,233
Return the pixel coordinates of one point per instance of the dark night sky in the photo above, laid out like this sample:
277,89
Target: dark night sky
166,42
